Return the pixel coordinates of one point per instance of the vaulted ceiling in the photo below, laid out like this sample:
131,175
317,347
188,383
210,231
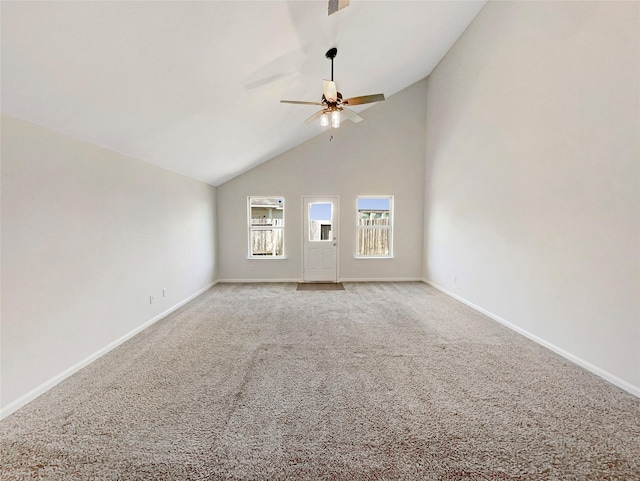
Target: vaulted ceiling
194,87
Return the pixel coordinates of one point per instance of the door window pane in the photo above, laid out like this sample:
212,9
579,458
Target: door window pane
321,221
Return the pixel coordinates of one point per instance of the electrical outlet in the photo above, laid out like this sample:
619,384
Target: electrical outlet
164,292
455,279
150,299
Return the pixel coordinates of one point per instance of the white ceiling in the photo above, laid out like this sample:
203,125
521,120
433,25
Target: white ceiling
194,87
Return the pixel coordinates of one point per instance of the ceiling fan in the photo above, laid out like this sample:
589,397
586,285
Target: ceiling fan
333,103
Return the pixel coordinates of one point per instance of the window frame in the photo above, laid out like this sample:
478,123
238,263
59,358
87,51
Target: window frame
267,227
388,227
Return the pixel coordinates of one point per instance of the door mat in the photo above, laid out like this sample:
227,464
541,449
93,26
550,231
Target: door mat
320,286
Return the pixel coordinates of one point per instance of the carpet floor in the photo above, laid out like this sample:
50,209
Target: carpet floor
380,381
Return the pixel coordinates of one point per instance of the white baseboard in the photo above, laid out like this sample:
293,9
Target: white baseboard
635,390
381,279
249,281
348,279
44,387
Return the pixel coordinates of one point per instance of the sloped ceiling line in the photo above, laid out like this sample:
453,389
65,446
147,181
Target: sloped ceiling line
194,87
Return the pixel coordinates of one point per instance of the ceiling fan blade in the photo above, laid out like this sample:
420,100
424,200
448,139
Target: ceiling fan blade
314,116
330,90
351,115
365,99
300,102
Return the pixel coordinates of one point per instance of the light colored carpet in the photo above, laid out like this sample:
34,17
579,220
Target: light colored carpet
379,381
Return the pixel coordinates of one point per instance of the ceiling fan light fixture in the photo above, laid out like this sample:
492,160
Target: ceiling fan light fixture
324,120
335,119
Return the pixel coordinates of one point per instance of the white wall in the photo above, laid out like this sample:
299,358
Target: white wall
384,154
532,176
87,236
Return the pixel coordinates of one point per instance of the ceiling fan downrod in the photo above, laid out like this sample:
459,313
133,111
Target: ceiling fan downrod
331,54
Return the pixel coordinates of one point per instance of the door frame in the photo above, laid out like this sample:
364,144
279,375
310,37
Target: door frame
336,225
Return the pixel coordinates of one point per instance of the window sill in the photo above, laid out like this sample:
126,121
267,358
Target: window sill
266,258
374,257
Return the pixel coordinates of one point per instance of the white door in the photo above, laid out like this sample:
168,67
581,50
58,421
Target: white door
320,260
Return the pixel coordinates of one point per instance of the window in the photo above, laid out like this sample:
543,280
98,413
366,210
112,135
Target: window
266,227
374,224
320,221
